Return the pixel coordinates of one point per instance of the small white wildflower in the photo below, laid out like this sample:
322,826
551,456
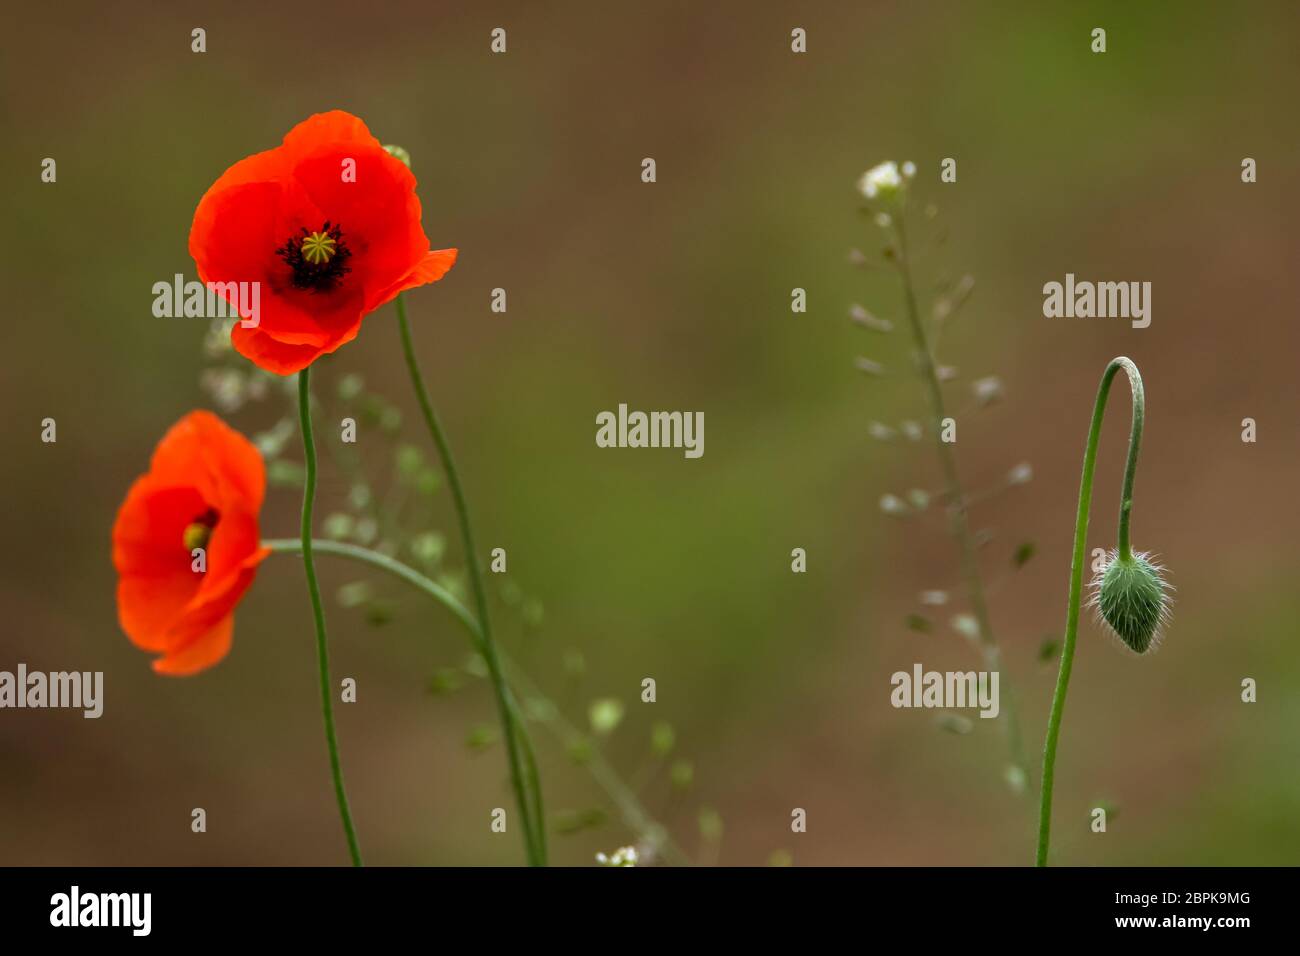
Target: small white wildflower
912,430
216,341
1022,474
945,373
881,182
257,385
623,856
880,431
868,321
367,530
226,387
934,598
893,505
966,626
909,169
953,723
1015,778
272,441
987,390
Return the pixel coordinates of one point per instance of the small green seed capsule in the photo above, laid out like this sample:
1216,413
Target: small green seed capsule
1133,598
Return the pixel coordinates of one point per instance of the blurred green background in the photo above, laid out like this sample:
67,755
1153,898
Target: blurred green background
676,295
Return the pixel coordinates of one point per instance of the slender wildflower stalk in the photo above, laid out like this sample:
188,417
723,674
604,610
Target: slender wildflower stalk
634,814
957,503
630,808
318,614
524,777
1130,593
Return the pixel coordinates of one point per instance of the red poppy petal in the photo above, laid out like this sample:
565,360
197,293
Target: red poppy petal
303,317
334,126
379,212
149,532
236,465
431,268
236,231
232,468
263,167
280,358
235,238
149,606
164,605
234,551
214,602
200,653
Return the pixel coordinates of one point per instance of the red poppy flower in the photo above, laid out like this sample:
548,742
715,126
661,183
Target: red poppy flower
329,224
204,490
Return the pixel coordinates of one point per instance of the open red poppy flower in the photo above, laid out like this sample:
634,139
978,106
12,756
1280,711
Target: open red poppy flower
328,223
204,490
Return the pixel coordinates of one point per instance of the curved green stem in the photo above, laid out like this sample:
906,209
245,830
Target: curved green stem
518,745
1076,569
318,613
633,813
1134,446
391,565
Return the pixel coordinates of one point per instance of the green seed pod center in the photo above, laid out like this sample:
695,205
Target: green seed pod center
199,531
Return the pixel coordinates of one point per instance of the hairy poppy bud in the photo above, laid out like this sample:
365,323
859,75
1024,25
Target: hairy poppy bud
1132,597
1129,592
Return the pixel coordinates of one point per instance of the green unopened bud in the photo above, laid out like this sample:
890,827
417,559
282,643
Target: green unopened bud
398,153
605,714
1132,597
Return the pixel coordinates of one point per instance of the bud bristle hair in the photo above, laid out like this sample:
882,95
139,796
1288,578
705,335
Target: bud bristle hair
1132,599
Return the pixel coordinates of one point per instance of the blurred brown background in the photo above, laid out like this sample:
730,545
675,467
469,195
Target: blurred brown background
676,295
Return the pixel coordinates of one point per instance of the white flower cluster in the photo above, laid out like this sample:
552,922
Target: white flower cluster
885,181
623,856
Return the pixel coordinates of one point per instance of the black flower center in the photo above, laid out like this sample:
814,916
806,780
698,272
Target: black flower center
318,259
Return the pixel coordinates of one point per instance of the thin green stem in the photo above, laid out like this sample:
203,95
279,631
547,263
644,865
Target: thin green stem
318,614
630,808
1076,570
1130,465
524,779
623,796
957,505
392,566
